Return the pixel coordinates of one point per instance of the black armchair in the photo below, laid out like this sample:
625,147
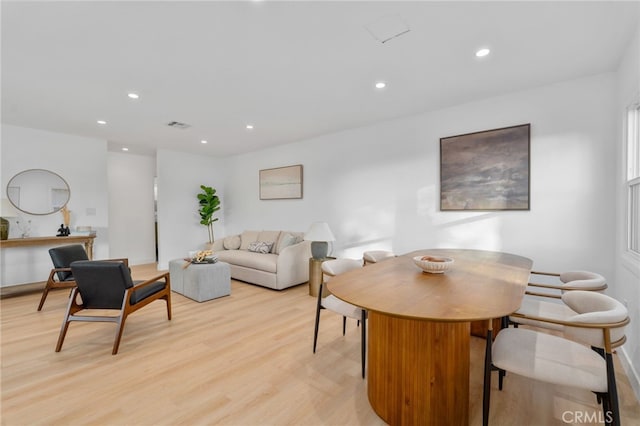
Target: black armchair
108,285
62,258
61,275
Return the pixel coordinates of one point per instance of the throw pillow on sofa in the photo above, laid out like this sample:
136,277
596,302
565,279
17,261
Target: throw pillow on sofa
232,242
247,238
269,236
286,240
260,246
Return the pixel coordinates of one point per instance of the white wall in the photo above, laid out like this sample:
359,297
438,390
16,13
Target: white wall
179,176
627,268
131,207
378,186
119,188
82,162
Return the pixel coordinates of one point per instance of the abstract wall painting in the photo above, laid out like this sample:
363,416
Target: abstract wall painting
486,170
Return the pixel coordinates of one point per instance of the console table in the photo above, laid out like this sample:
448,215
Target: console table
87,240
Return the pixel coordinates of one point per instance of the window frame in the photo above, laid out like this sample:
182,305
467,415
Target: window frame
632,179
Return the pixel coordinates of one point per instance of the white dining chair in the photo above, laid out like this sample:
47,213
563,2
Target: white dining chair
535,305
566,281
581,358
331,268
375,256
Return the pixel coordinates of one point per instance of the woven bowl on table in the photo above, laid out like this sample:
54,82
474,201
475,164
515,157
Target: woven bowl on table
433,264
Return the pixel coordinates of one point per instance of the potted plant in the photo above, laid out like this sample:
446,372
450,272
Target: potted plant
209,204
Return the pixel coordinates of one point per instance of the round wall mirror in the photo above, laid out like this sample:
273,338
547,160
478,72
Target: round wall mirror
38,192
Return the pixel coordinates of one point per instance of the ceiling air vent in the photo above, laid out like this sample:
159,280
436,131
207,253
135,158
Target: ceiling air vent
387,28
178,125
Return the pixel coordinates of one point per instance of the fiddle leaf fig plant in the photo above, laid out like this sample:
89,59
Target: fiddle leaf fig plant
209,204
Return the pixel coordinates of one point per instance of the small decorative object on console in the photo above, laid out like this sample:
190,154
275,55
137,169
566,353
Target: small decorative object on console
433,264
63,231
24,226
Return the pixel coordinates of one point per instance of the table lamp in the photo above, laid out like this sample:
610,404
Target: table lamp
319,234
6,210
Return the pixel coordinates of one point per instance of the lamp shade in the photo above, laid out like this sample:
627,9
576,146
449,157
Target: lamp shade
319,231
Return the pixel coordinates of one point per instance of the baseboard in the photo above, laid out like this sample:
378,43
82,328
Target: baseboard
21,289
631,372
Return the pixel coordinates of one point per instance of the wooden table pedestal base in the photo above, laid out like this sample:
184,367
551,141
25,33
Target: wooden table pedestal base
418,371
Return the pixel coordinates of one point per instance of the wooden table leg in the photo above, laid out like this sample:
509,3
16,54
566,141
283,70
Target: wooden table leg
418,371
88,246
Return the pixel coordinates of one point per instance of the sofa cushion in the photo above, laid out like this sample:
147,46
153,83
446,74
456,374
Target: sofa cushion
286,239
263,262
247,238
269,237
260,247
232,243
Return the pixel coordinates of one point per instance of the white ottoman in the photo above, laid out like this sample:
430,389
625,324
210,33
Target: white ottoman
200,282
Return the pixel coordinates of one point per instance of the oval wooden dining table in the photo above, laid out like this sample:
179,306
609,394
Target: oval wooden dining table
419,328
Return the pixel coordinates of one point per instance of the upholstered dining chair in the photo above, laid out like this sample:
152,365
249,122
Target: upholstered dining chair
328,301
538,307
582,358
570,280
61,275
375,256
108,285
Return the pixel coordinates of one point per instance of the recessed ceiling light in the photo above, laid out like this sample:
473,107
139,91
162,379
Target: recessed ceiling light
133,95
381,85
203,141
249,127
125,149
101,122
482,52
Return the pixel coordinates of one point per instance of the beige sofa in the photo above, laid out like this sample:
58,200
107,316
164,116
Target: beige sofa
273,259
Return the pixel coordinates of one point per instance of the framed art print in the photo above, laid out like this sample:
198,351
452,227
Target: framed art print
281,183
486,170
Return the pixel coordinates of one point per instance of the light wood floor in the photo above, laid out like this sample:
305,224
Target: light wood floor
245,359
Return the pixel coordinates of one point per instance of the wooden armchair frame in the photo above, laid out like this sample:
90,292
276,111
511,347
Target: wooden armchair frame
126,309
62,257
53,283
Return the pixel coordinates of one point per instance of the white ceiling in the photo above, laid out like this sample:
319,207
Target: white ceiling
294,69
